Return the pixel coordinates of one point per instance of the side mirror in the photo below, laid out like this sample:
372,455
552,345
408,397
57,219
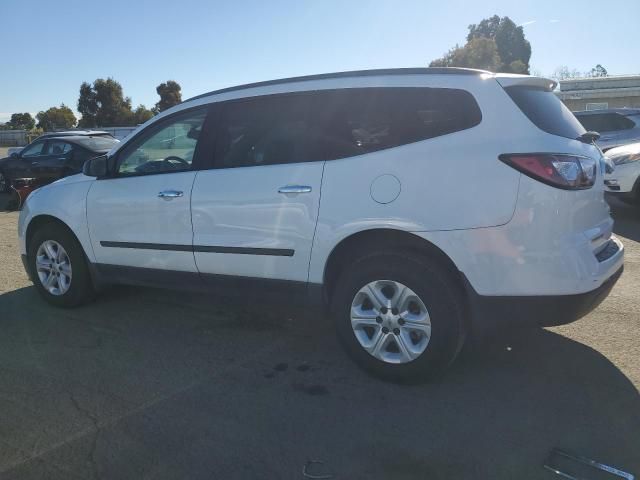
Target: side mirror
96,167
14,155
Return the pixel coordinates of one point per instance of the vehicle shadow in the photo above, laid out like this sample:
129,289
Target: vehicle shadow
191,386
8,202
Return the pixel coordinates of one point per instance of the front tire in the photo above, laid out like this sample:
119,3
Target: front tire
399,316
59,267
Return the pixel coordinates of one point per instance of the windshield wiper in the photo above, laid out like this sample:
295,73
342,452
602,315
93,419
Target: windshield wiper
589,137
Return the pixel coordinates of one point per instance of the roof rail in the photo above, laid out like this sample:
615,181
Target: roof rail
354,73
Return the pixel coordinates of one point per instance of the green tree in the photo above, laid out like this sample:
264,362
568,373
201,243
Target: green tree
598,71
512,48
170,95
141,114
509,38
87,106
114,108
479,53
20,121
56,118
103,104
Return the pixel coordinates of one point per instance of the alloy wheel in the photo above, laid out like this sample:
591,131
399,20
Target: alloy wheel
53,267
390,321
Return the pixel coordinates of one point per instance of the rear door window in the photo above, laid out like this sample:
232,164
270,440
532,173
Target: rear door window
267,131
546,111
58,147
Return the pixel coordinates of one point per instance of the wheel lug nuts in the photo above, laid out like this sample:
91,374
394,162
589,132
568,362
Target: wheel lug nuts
385,330
396,331
379,319
394,311
384,310
401,321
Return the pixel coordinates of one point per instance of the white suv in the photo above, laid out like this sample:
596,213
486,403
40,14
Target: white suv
418,204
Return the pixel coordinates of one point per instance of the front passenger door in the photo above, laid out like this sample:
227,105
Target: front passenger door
23,166
141,216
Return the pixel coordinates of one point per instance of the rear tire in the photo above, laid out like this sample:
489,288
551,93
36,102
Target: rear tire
59,267
423,302
632,199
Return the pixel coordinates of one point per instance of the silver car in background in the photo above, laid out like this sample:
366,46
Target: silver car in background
616,126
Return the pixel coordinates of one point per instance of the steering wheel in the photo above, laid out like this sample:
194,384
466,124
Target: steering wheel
170,158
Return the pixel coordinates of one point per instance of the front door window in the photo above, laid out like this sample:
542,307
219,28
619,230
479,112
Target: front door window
168,149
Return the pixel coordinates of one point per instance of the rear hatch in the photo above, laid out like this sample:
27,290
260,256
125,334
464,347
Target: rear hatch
562,158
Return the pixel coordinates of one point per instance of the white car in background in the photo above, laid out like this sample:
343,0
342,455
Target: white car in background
624,181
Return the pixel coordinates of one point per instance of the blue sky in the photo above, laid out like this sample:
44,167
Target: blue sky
50,47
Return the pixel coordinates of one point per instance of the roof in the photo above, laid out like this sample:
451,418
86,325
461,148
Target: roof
354,73
80,140
75,133
622,111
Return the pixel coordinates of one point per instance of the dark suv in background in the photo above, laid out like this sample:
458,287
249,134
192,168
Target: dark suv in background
616,126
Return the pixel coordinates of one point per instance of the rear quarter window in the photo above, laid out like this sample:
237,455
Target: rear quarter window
365,120
546,111
605,122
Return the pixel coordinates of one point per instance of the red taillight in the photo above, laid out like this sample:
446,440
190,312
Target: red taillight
569,172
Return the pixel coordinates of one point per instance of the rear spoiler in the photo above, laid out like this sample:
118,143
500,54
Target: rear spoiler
513,80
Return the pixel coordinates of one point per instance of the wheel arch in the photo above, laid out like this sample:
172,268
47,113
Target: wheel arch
39,221
366,241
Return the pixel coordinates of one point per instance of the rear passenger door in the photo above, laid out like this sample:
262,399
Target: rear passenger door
254,211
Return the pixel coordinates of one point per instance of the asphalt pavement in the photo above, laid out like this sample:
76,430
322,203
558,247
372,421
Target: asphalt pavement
154,384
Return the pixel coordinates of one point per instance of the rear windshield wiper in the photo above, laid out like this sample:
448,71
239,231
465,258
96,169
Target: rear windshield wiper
589,137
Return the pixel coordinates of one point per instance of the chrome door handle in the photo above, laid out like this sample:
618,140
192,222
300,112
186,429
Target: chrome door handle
294,189
35,163
169,194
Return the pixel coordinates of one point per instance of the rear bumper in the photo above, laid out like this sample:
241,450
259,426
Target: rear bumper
489,312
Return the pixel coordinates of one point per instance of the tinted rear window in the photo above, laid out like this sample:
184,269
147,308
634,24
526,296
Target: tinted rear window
370,119
546,111
97,143
333,124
